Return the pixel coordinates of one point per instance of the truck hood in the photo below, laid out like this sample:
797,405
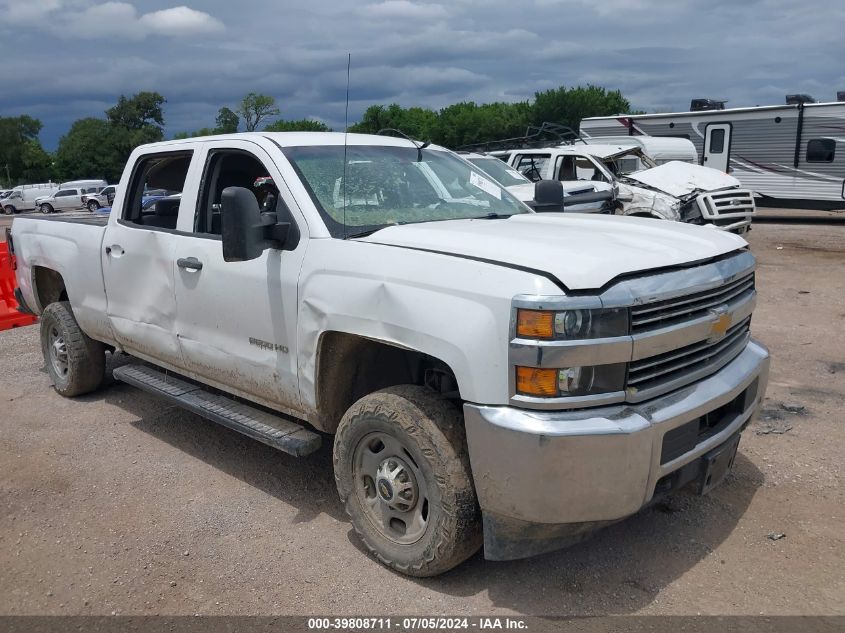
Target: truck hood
679,179
583,252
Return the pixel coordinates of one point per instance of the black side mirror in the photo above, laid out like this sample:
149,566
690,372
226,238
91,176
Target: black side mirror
247,232
548,196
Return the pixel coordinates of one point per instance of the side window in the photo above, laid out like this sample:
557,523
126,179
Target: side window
65,193
155,190
821,150
532,165
585,169
717,141
234,168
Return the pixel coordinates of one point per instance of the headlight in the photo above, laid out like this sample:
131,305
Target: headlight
570,381
571,324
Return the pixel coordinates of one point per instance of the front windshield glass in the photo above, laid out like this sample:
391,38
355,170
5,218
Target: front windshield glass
388,185
629,162
500,171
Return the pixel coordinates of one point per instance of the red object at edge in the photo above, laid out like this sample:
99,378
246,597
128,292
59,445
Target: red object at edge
9,315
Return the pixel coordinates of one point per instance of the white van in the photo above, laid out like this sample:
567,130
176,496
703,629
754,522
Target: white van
23,197
661,149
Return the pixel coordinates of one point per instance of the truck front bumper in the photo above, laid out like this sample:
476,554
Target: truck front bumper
545,478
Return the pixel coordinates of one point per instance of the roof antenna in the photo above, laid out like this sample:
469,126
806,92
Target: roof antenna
345,133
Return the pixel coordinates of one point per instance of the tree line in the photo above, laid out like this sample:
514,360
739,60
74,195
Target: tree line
98,148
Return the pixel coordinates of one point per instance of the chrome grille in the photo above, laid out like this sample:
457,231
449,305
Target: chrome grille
730,203
687,307
649,373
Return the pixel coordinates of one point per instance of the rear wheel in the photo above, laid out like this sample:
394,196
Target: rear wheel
93,205
46,208
402,471
76,363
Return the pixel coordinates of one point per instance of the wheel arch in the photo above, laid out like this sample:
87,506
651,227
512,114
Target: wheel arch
48,286
350,366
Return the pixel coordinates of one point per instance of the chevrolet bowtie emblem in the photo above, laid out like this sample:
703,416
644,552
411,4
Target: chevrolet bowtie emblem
721,322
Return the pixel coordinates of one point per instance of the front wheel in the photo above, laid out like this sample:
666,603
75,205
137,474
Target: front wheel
9,210
46,208
93,205
402,471
76,363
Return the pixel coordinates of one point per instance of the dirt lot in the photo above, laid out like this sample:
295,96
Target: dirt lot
116,502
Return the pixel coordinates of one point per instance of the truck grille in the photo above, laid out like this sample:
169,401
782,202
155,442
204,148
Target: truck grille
731,203
652,372
680,309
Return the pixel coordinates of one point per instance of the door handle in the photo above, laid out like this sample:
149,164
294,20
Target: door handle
189,263
114,250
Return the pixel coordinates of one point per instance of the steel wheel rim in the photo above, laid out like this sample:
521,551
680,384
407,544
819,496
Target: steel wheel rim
58,352
391,488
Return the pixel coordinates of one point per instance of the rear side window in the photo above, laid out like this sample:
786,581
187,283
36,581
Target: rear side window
155,190
821,150
717,141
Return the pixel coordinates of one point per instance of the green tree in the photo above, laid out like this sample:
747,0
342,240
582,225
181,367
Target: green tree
255,108
92,148
21,154
227,121
468,122
297,125
138,112
419,123
568,106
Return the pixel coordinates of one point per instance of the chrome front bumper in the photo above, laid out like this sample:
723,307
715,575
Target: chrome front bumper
543,475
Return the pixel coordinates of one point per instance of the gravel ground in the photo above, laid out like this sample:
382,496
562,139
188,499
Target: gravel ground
119,503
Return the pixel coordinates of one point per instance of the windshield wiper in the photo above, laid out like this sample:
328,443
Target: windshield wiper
492,216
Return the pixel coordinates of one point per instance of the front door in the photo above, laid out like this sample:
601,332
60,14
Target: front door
717,146
236,321
138,260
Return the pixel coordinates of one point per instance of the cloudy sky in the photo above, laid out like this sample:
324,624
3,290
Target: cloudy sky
67,59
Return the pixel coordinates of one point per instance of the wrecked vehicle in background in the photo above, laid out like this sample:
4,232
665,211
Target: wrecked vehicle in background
486,374
577,197
675,190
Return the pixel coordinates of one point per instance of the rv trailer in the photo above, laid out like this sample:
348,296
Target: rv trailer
789,155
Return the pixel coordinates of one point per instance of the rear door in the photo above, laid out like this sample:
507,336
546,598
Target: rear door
138,258
236,321
717,146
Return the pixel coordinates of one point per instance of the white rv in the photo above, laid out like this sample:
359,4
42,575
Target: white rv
789,155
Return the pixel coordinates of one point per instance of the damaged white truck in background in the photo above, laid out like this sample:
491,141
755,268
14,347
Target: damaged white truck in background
486,375
676,190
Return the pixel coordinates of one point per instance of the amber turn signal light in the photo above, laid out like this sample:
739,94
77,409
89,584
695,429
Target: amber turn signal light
535,323
533,381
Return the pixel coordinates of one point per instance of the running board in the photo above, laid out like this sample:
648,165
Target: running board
265,427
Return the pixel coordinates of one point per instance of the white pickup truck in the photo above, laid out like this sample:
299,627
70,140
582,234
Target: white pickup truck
486,374
675,190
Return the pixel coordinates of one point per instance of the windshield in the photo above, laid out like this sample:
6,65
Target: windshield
388,185
500,171
628,163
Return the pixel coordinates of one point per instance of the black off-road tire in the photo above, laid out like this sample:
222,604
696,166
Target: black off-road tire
46,208
431,429
85,357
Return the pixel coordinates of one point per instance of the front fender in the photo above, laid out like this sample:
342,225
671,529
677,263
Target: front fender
453,309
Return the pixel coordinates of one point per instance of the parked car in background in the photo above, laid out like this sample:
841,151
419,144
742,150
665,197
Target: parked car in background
103,198
23,197
61,200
